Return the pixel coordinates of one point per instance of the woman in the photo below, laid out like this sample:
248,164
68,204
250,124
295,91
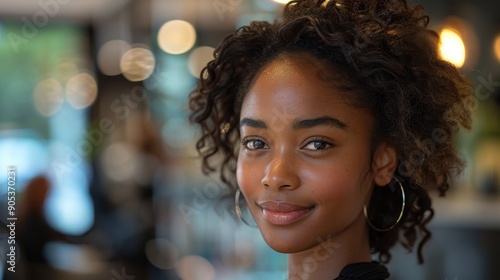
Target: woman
333,123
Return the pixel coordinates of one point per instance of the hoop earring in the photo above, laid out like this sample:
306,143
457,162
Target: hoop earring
238,209
365,212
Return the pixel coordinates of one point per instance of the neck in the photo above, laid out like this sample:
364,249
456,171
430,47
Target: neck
327,259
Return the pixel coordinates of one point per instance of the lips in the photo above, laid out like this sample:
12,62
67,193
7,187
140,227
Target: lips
283,213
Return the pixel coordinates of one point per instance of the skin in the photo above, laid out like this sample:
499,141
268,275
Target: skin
326,165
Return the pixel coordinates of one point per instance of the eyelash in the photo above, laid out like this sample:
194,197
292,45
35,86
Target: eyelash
318,139
250,139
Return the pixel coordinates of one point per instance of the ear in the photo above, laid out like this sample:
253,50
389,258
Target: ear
384,163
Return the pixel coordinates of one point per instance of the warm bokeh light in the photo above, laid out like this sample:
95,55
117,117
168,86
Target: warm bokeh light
137,64
459,42
110,55
497,47
48,96
81,90
282,1
65,70
451,47
176,36
199,59
195,267
119,162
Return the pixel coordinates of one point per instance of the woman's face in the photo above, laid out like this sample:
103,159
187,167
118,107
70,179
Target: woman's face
304,165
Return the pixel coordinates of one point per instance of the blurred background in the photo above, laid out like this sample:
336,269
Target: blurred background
93,117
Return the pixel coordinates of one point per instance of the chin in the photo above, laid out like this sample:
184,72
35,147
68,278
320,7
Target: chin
284,248
284,245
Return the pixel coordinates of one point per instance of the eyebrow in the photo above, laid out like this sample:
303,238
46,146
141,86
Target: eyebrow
252,123
300,124
321,121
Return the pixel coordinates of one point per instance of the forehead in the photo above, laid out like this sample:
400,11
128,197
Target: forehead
291,87
293,80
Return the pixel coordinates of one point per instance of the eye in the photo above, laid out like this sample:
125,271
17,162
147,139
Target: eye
317,145
254,144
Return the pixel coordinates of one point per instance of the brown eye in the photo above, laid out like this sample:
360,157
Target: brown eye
317,145
254,144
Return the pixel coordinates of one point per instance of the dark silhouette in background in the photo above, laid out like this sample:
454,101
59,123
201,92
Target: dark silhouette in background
33,231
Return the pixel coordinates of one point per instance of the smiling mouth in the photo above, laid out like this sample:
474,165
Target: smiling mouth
277,213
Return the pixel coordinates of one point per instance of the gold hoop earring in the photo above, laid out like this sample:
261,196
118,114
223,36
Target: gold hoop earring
365,212
238,209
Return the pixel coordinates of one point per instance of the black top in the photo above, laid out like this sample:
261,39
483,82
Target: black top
364,271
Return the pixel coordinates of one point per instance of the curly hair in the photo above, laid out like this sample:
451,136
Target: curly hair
392,68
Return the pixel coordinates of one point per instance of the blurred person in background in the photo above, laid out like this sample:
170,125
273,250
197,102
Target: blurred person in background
34,232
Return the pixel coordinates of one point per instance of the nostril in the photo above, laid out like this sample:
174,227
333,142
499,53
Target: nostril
264,182
280,175
275,184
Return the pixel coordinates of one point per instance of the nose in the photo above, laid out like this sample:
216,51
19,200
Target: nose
280,173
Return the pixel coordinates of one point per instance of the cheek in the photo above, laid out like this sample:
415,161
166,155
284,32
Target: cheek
246,176
337,186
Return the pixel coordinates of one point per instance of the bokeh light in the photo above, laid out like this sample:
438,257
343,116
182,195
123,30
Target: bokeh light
199,59
110,55
497,47
161,253
69,207
65,70
282,1
81,90
76,258
451,47
176,36
119,161
137,64
195,268
48,96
